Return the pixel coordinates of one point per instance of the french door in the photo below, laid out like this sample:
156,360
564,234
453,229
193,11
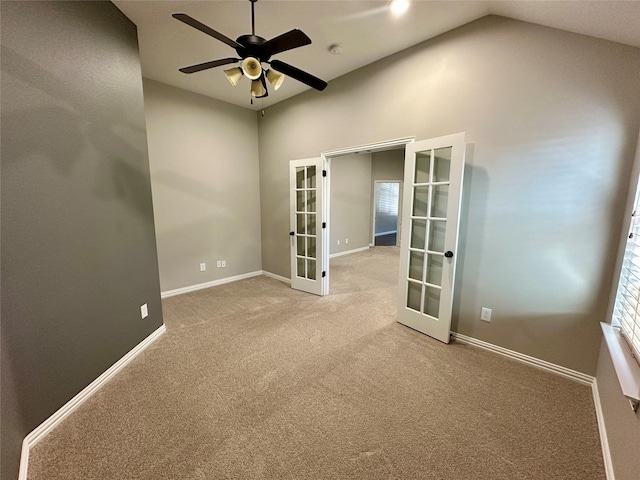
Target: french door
309,256
431,205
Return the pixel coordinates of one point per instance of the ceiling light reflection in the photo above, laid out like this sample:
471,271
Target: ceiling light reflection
398,7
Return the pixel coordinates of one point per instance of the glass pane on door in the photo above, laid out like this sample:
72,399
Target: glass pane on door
300,224
311,201
300,201
420,201
423,162
436,235
431,301
311,224
416,265
441,164
311,246
301,246
311,269
311,177
439,198
300,177
418,233
434,269
414,296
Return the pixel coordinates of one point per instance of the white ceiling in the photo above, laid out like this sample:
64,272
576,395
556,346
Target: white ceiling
366,30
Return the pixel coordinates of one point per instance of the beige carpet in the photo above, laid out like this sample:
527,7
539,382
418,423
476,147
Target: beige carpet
254,380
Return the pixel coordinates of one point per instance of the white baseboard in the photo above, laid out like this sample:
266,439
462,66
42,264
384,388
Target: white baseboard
54,420
348,252
535,362
604,440
277,277
201,286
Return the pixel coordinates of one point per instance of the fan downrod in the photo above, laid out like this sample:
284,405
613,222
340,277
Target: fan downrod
253,18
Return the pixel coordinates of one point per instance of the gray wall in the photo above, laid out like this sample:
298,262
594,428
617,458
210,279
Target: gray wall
387,165
551,118
350,202
206,193
78,243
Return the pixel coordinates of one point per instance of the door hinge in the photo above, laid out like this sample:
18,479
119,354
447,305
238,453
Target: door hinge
324,224
324,173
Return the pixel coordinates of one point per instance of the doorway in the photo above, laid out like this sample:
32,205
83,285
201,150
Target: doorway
312,200
433,171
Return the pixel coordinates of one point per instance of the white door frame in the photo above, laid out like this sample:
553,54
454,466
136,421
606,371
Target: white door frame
375,203
327,156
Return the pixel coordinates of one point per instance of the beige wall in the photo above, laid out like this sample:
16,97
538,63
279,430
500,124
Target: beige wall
350,202
203,156
551,120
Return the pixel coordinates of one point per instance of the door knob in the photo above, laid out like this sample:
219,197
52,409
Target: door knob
292,233
448,254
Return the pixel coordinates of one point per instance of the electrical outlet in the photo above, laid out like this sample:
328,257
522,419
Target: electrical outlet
224,263
346,240
485,314
144,311
203,267
338,242
219,263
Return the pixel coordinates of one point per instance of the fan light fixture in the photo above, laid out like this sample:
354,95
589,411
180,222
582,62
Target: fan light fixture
258,85
257,89
234,75
275,79
251,68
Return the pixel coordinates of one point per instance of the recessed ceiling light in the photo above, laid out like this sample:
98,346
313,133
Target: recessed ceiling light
398,7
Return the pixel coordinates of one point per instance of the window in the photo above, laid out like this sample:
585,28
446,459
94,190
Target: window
623,335
388,198
626,313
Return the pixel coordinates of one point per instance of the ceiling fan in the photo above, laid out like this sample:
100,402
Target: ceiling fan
253,52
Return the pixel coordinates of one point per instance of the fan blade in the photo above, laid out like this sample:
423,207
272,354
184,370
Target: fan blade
287,41
297,74
206,65
183,17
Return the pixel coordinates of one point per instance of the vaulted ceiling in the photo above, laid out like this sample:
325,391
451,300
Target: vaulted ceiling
366,30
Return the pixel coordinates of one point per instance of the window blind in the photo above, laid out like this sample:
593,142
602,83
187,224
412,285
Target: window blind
626,313
388,198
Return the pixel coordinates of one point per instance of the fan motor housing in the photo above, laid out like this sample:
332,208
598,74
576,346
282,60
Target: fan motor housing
252,47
